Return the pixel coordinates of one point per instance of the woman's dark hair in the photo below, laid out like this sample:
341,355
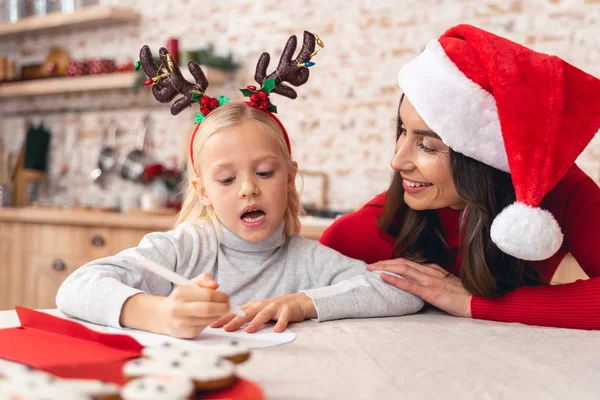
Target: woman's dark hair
485,270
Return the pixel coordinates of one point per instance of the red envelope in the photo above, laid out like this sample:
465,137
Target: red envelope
70,350
66,348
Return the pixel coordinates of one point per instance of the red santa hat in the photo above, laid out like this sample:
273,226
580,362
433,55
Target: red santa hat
507,106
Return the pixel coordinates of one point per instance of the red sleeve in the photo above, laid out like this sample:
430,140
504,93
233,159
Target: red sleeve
357,235
575,203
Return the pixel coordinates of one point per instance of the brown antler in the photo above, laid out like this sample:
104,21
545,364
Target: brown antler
173,82
288,69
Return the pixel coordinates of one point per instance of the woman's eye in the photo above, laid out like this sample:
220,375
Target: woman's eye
426,149
226,181
401,131
265,174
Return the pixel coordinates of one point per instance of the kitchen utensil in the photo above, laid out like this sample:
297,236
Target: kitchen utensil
134,164
107,160
37,143
14,10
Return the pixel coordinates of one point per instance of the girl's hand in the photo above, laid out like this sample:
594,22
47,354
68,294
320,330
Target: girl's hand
430,282
283,309
189,310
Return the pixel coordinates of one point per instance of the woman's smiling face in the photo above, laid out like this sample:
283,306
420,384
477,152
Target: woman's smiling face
423,161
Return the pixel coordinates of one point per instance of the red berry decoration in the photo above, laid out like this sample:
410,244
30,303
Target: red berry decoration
205,101
253,88
262,94
204,110
214,103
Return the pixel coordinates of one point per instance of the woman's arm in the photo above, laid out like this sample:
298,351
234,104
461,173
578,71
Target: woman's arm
575,203
356,235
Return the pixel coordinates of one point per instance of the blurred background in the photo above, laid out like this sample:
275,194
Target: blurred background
67,75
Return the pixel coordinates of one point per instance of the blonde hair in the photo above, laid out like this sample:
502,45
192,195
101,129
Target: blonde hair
223,117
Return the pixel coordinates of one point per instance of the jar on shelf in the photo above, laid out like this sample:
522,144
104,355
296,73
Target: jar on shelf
14,10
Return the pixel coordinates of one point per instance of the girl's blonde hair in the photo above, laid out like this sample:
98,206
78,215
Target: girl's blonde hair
223,117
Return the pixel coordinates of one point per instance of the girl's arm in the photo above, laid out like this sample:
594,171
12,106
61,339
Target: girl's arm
575,202
98,291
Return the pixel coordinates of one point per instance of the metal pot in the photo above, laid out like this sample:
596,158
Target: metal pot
107,160
134,163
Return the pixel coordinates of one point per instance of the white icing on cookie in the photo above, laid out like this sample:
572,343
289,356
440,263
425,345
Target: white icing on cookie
217,351
199,370
33,388
88,386
10,368
158,387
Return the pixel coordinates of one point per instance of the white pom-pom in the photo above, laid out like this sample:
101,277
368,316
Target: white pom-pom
526,232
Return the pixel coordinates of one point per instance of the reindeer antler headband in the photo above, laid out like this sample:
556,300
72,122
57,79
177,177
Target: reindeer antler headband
168,82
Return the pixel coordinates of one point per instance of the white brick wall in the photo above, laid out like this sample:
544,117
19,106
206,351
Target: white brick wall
343,121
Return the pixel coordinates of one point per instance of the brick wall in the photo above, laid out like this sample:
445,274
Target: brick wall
343,121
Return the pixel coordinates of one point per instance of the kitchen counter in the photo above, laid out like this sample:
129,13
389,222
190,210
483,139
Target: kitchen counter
312,227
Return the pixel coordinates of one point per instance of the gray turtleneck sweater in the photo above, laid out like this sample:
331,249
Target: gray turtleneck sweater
339,286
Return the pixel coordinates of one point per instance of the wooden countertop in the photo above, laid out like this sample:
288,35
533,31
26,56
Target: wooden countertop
312,227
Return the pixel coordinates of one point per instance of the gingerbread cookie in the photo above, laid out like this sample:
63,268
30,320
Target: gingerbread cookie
37,387
232,351
159,387
207,374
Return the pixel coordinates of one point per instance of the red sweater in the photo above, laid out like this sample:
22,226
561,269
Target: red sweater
574,202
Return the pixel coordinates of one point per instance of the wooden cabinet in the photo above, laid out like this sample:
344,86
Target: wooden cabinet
39,248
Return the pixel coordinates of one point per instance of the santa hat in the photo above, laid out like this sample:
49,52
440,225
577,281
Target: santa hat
523,112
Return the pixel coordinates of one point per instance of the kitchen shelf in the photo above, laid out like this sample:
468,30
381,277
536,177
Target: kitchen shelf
87,83
85,17
67,85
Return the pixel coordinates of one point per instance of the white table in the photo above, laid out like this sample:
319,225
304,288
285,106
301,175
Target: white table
424,356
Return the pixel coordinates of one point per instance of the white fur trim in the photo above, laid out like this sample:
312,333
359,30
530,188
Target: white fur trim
461,112
526,232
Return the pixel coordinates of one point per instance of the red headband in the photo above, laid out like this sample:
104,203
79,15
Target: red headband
249,104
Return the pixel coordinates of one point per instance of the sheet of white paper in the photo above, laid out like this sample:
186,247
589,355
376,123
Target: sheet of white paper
263,338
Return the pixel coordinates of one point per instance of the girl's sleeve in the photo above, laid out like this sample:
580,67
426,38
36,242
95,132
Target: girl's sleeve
575,203
342,288
97,291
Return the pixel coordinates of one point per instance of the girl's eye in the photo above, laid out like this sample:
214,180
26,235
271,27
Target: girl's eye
265,174
227,181
401,131
426,149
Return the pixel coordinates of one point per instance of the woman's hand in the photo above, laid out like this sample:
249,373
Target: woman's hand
430,282
189,310
283,309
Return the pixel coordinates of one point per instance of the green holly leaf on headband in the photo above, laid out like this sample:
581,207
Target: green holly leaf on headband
196,95
269,85
199,118
223,100
246,92
272,108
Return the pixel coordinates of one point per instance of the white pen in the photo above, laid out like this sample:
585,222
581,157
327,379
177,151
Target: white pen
177,279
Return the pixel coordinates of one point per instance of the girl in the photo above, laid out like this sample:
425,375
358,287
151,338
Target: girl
238,224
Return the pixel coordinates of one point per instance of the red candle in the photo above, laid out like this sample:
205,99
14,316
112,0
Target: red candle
173,48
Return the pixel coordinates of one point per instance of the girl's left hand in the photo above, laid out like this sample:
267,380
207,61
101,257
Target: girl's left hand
283,309
430,282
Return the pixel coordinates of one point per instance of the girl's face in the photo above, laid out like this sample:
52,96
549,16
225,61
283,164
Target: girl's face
245,179
423,161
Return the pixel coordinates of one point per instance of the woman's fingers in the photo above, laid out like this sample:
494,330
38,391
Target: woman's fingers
404,284
400,265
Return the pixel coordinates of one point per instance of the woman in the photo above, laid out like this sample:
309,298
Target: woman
486,199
